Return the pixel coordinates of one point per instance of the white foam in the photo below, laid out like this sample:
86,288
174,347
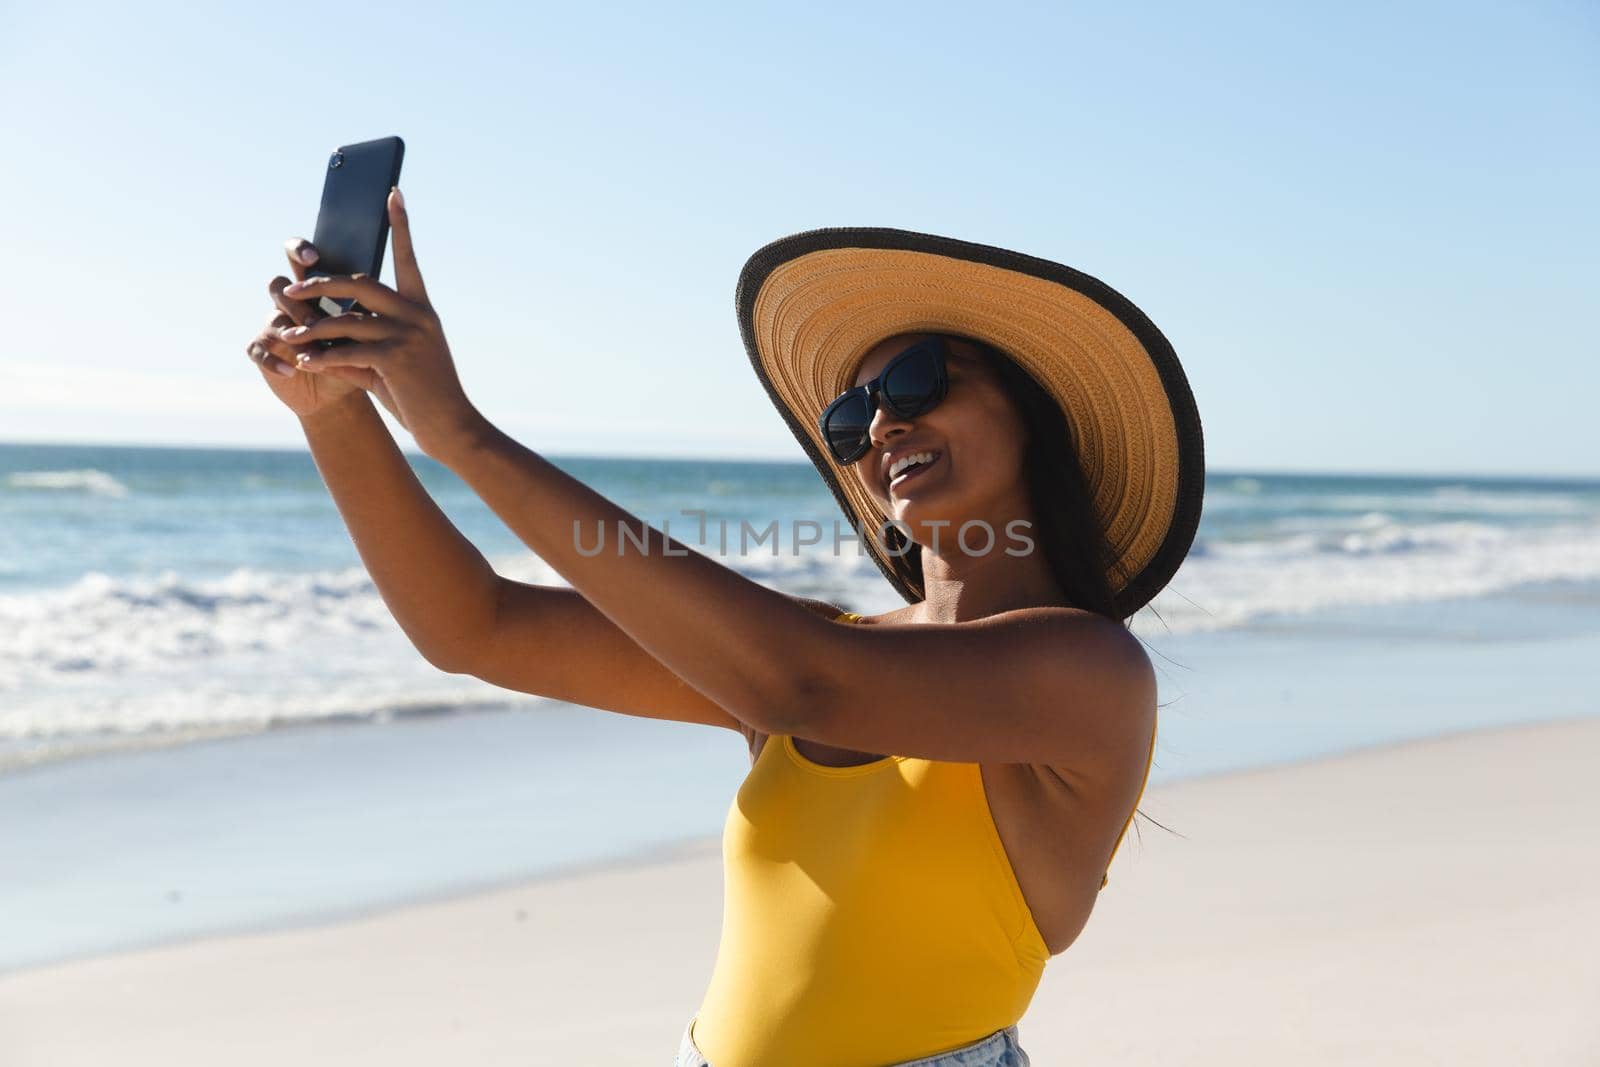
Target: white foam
256,648
1228,585
87,480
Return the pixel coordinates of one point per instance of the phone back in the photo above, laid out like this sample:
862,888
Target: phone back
353,223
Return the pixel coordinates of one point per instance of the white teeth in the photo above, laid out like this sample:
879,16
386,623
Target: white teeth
907,460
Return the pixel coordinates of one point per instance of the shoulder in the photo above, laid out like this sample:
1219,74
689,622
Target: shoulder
1070,651
1050,628
1059,637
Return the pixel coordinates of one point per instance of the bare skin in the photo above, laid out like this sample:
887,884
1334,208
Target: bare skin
1053,820
1055,704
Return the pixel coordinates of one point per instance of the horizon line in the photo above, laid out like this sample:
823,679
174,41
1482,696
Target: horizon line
802,461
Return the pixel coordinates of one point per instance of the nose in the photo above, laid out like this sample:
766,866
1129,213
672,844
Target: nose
885,424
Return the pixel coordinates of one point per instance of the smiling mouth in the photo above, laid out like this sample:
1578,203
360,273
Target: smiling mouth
915,469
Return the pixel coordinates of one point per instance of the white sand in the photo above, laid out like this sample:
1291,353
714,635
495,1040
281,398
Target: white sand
1430,903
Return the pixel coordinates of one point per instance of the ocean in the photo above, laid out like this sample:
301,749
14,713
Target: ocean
158,594
209,721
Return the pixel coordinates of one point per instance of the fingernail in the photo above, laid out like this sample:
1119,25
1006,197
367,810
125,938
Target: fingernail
308,254
399,198
282,368
292,332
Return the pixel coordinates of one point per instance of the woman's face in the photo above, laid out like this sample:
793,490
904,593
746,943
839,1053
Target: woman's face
977,441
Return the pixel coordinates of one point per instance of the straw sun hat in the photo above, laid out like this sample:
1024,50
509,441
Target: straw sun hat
813,304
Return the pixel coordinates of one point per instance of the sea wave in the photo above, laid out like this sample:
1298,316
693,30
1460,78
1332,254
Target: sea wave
196,710
102,623
87,480
257,648
250,651
1231,584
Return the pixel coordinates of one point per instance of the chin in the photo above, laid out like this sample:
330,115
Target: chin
936,507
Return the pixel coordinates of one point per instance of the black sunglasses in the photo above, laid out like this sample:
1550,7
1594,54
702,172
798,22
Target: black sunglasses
911,383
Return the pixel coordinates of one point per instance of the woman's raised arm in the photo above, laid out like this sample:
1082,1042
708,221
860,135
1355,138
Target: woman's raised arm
438,587
460,614
436,584
551,641
464,617
1049,685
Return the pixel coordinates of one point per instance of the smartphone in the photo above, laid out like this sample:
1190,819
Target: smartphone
353,224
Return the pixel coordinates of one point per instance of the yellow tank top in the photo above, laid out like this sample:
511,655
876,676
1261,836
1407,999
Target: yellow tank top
871,916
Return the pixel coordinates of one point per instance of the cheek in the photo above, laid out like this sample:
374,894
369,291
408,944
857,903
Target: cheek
859,473
990,434
996,468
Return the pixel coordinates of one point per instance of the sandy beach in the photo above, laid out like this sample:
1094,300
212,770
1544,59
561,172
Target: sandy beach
307,757
1435,901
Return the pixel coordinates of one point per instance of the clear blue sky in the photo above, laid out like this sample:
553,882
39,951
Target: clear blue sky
1370,230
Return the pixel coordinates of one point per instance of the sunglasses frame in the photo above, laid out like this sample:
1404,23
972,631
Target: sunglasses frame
873,392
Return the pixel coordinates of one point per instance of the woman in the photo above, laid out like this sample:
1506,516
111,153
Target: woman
935,792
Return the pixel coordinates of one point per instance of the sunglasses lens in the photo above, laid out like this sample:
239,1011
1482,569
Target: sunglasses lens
845,426
913,384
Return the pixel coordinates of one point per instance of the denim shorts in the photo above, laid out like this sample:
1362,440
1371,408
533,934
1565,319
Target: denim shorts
999,1049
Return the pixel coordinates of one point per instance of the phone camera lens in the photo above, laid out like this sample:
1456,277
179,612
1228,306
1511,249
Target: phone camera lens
336,161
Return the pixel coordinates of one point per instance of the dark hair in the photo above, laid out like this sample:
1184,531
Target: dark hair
1066,525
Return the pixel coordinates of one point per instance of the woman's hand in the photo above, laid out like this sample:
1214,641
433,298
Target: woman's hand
398,351
303,394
